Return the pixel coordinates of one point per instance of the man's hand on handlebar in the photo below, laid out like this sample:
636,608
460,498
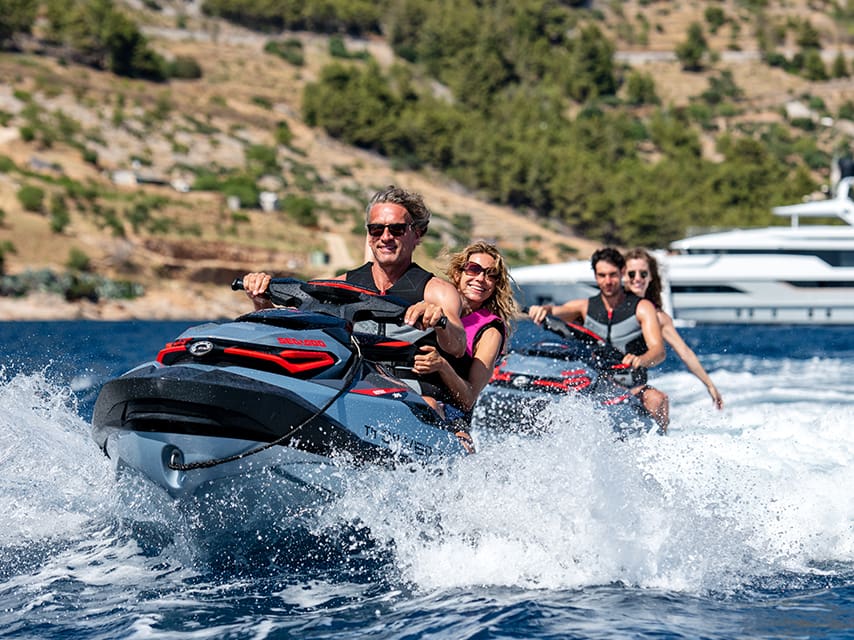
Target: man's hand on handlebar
538,313
424,315
256,285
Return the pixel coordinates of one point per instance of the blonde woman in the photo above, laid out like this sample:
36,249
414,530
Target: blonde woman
481,276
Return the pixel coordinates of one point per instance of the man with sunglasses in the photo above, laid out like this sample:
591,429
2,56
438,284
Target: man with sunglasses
624,320
396,221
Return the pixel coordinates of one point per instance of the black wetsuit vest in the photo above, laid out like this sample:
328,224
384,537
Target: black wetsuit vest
621,329
410,287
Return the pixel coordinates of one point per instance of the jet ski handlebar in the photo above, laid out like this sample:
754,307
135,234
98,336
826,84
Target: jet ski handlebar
570,330
606,357
336,298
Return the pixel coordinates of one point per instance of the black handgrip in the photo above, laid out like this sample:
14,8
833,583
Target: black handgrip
237,285
443,322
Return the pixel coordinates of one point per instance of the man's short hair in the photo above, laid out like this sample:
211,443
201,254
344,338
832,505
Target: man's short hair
610,255
409,200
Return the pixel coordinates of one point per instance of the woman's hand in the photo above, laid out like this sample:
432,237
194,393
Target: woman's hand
717,398
428,361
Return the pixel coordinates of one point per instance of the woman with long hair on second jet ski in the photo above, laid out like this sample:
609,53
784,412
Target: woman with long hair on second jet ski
643,280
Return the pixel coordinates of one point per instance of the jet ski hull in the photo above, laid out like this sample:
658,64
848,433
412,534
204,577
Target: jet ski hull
273,413
545,373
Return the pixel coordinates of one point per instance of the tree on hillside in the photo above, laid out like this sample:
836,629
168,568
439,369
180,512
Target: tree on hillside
592,66
5,247
640,89
715,16
100,35
356,17
691,52
814,68
354,105
18,16
808,36
839,69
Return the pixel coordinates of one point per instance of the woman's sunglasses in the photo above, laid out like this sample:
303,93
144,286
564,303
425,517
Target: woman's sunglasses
396,229
473,269
643,274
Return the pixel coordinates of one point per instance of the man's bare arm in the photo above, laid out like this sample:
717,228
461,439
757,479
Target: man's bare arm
441,298
570,311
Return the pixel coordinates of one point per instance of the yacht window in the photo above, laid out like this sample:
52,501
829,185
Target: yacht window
822,284
835,258
703,288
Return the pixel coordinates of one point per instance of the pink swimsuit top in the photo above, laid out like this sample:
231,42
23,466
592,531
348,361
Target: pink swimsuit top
476,323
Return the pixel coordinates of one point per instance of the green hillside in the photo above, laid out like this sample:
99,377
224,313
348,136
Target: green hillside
549,127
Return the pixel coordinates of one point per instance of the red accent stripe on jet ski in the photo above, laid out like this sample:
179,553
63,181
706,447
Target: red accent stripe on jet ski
396,344
570,384
291,360
500,376
585,330
340,284
553,384
617,399
381,391
177,346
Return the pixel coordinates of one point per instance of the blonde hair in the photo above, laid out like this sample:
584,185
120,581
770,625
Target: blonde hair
501,302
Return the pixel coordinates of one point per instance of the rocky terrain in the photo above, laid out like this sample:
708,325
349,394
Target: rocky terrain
147,136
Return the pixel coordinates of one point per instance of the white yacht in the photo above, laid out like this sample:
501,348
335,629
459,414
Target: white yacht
797,274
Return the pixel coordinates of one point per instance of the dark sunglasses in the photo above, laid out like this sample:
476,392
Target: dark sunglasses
473,269
643,274
396,229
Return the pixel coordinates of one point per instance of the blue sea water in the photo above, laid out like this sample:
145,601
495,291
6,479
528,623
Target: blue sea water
737,524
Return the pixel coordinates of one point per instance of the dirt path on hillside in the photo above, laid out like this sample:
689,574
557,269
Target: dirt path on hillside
339,252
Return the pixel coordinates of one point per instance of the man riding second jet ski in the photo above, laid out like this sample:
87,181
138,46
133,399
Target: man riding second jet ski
625,321
396,221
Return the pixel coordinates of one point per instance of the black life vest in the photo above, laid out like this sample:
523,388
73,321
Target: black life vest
410,287
620,329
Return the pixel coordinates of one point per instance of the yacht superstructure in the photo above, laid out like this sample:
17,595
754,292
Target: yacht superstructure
795,274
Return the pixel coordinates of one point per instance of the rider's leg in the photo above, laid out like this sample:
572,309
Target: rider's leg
657,405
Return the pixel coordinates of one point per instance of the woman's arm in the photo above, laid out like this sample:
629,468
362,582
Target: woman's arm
672,337
652,335
464,391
